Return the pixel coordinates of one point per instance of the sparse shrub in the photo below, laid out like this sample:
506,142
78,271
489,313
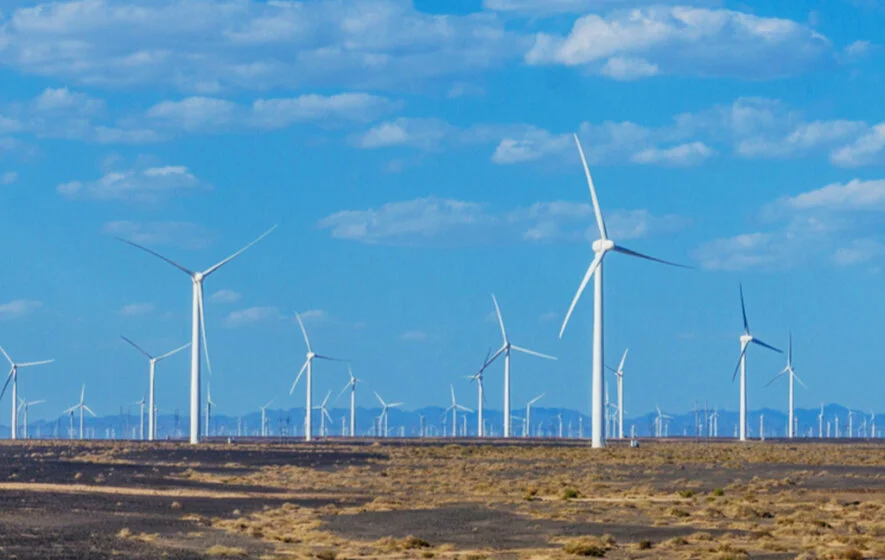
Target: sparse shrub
176,505
718,492
587,546
852,554
644,544
676,512
219,550
412,542
686,493
124,533
530,493
327,555
569,493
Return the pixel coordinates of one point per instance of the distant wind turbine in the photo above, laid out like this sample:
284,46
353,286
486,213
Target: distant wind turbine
308,366
746,340
198,325
505,351
152,361
141,404
600,247
209,404
324,413
351,384
80,406
792,375
264,418
528,413
13,377
619,373
481,397
24,406
454,410
385,409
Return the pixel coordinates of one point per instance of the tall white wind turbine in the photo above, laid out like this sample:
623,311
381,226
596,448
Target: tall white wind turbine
454,409
528,414
385,409
209,404
308,366
24,406
746,340
478,378
80,406
263,431
324,413
505,351
351,384
619,373
600,248
141,404
152,361
198,325
13,378
792,376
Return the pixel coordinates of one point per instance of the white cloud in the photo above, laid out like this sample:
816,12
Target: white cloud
866,149
225,296
853,195
627,68
686,40
427,134
18,308
413,336
444,221
150,184
533,144
314,316
65,101
251,316
136,309
682,155
8,178
194,113
184,235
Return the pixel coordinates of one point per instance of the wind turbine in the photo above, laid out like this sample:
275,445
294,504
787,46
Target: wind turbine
308,366
454,409
619,373
13,377
81,406
198,325
505,350
324,413
660,422
351,384
263,431
600,248
151,371
141,418
23,407
209,404
746,340
792,375
528,413
385,408
478,378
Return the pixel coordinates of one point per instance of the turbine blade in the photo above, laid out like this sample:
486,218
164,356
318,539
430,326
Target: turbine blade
632,253
82,394
36,402
465,409
203,328
212,269
383,404
346,387
137,347
770,347
158,255
740,358
500,319
176,351
744,309
326,413
303,331
298,377
40,363
89,410
268,403
329,358
623,359
8,359
600,223
329,394
452,387
72,409
775,378
590,270
796,377
395,405
533,353
493,358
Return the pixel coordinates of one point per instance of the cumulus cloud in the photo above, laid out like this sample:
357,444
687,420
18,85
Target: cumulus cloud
681,155
136,309
184,235
427,134
252,316
225,296
16,309
627,68
868,148
149,184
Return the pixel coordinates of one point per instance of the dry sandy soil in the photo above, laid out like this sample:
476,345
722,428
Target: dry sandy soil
441,500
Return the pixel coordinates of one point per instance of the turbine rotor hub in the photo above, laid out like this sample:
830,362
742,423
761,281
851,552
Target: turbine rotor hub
603,245
310,355
746,339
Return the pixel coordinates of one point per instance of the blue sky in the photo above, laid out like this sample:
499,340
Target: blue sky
417,157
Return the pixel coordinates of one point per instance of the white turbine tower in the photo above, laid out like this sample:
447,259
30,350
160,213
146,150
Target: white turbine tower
478,378
792,373
619,373
141,404
209,404
659,420
505,350
13,377
385,408
324,413
80,406
351,384
528,414
308,366
600,248
454,409
198,325
746,340
24,406
152,361
263,431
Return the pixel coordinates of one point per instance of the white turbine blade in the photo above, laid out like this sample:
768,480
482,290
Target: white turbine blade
623,359
738,366
8,379
303,331
268,403
775,378
32,403
596,210
137,347
83,394
590,270
329,394
21,405
796,377
329,358
764,345
212,269
465,409
744,309
72,409
203,327
493,358
395,405
536,399
326,414
383,404
176,351
632,253
533,353
40,363
89,410
452,387
154,253
346,387
298,377
500,319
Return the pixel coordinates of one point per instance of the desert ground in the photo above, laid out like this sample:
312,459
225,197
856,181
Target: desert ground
441,499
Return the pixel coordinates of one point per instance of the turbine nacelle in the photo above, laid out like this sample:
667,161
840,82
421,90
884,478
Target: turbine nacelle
746,339
311,355
603,245
198,277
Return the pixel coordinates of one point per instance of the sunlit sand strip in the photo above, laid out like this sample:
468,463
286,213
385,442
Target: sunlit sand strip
168,493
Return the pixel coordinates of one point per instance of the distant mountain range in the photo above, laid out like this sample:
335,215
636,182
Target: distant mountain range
545,423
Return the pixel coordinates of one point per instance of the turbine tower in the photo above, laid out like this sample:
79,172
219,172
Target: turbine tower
478,378
81,406
13,377
792,375
141,418
263,431
24,406
619,373
209,404
198,325
600,248
152,361
454,409
308,366
324,413
385,408
505,350
746,340
351,384
528,414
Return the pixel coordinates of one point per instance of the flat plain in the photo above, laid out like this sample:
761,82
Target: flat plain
442,499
